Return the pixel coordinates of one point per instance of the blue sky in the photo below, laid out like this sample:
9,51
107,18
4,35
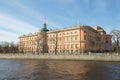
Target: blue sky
19,17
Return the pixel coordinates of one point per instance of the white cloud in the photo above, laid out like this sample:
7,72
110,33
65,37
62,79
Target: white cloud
8,36
14,28
16,25
29,11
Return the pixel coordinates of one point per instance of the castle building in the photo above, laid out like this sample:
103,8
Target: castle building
34,43
76,39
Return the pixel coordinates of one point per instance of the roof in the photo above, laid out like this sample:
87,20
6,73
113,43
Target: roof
44,30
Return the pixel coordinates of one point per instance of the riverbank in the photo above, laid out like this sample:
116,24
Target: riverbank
94,57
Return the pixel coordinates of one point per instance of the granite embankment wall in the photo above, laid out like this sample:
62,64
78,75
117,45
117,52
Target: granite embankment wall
95,57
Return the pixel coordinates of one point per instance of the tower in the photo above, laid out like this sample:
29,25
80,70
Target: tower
44,28
44,45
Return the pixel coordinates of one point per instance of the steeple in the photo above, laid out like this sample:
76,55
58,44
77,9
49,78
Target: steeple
44,28
44,25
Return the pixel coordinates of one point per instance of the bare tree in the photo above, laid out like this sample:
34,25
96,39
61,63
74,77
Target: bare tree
5,47
115,40
38,39
8,47
13,47
54,41
41,42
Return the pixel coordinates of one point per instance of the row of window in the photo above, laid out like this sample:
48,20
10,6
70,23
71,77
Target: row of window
74,38
65,46
27,38
63,33
72,46
68,46
28,43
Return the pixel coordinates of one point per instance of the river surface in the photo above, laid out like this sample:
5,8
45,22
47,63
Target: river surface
58,70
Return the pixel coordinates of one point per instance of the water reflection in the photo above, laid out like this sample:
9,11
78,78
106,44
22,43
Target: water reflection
58,70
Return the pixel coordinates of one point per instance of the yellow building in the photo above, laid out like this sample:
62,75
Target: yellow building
76,39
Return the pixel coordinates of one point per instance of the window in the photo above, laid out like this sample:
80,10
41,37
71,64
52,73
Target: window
67,33
63,46
75,32
68,46
67,38
85,37
60,46
71,38
71,45
84,45
49,47
75,37
76,46
60,39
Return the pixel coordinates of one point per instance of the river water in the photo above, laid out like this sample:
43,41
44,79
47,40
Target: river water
58,70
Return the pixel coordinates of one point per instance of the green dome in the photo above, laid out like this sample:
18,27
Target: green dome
44,30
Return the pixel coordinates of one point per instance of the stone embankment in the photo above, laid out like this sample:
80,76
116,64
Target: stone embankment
94,57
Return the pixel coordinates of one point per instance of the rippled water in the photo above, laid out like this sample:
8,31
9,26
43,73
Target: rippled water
58,70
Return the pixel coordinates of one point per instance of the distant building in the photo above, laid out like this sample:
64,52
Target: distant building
76,39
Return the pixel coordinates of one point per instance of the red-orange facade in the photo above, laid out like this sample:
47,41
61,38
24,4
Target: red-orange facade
76,39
